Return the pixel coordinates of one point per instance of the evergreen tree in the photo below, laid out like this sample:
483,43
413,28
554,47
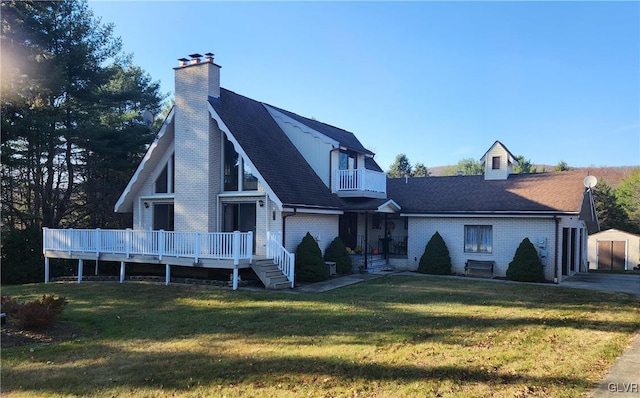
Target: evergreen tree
628,198
310,266
436,258
526,265
400,168
420,170
610,213
71,120
524,166
562,166
337,252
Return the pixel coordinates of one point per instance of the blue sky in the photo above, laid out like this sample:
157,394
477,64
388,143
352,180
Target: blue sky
438,81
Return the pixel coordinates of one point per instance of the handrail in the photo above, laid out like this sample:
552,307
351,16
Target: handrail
197,245
361,180
281,257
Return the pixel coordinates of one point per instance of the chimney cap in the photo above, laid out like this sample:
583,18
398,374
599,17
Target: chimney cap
196,55
209,54
182,59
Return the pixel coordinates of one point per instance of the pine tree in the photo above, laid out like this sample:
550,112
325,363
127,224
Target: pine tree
310,266
436,258
337,252
400,168
526,265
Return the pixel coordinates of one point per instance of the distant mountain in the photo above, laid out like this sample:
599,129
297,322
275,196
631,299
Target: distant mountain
610,175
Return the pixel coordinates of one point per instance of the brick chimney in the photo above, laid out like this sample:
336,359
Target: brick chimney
196,143
195,76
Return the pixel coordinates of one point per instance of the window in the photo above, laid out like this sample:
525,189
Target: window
348,160
165,181
231,162
238,175
161,181
163,216
478,239
375,221
250,182
495,163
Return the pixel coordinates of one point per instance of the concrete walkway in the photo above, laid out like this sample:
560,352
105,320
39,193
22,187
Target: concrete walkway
617,283
623,379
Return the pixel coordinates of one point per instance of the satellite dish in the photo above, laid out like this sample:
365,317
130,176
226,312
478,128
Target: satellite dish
147,117
590,182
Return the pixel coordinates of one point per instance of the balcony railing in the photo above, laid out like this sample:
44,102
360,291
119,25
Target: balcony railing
361,180
234,246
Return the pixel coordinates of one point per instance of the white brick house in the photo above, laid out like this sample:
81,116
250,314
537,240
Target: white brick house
222,162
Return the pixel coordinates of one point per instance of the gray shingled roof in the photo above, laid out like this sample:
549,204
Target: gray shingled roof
345,138
537,193
285,170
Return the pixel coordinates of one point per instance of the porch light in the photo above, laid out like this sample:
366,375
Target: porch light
261,203
146,205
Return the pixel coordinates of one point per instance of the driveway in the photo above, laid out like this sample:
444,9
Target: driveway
620,283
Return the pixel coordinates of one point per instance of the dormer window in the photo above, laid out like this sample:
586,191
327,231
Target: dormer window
495,163
238,175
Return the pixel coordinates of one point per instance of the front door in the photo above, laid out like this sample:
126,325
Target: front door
348,229
240,217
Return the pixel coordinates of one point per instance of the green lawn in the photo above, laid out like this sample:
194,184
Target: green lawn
394,336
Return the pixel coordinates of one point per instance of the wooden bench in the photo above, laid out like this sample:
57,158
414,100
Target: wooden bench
478,265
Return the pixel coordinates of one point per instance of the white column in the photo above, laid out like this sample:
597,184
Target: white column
80,267
167,276
121,271
235,278
46,269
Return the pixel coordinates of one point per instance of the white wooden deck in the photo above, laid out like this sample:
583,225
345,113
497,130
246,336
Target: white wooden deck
227,250
223,250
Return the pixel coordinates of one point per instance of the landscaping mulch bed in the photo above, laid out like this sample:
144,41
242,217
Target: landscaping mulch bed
13,336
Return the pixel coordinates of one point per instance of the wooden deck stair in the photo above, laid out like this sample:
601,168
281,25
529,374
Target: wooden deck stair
270,275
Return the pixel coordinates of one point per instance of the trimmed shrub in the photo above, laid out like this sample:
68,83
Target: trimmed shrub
38,314
9,305
435,259
526,265
310,266
337,251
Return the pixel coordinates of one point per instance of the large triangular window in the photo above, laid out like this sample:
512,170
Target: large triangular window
165,181
238,175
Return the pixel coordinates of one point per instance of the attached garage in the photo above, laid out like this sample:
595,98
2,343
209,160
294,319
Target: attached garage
613,250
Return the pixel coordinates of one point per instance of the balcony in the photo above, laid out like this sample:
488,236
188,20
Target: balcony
360,183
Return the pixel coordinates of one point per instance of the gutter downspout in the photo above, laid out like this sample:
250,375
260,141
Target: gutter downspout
284,230
555,255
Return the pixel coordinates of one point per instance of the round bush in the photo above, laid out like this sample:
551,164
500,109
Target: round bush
435,259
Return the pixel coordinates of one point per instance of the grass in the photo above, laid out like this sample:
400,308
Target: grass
394,336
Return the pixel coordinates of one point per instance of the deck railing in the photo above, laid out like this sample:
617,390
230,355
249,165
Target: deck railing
234,246
361,180
284,259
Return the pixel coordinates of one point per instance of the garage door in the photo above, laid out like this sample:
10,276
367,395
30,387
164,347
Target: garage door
611,254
